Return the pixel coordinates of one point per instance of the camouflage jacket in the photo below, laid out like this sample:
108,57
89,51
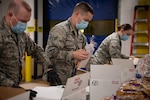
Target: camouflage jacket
12,49
63,40
109,48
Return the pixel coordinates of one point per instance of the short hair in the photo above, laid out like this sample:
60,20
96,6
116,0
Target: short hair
125,27
83,6
15,6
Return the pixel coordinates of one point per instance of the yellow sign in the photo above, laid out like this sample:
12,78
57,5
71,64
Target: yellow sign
30,29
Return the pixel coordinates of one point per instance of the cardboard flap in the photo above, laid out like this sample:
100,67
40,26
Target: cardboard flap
125,62
8,92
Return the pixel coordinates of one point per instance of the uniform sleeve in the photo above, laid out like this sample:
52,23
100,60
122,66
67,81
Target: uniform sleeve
115,49
56,44
0,43
37,52
92,61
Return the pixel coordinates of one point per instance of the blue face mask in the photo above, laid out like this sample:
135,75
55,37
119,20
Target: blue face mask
19,28
124,37
82,25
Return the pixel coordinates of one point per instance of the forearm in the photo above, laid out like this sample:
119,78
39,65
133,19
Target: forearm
37,53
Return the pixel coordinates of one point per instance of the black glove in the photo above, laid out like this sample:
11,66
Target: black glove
32,94
53,78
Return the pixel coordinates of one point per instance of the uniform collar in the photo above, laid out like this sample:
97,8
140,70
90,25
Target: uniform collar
119,38
73,29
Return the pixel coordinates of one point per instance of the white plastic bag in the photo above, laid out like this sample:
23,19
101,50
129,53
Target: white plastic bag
90,49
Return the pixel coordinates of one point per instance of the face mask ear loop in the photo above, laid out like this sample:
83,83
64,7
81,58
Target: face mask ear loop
15,17
78,20
11,23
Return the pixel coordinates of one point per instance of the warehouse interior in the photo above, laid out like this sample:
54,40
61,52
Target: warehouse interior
108,15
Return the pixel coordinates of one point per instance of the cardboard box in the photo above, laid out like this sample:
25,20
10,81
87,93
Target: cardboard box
22,96
16,93
128,68
100,88
106,79
79,95
8,92
75,89
126,62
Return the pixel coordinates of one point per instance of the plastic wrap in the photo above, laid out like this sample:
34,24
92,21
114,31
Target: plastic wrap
143,67
90,49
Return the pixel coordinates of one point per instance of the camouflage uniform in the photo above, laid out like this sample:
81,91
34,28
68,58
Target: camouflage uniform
63,40
109,48
12,48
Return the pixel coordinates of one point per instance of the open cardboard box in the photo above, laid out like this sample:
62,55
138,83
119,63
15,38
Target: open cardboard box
106,79
75,89
8,92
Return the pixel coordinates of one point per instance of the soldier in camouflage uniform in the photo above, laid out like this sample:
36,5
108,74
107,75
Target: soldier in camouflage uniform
111,46
14,42
65,46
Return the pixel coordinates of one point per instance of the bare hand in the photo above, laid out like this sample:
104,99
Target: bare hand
132,57
28,34
80,54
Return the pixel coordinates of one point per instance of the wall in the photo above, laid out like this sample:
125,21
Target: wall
40,30
31,22
125,15
40,23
